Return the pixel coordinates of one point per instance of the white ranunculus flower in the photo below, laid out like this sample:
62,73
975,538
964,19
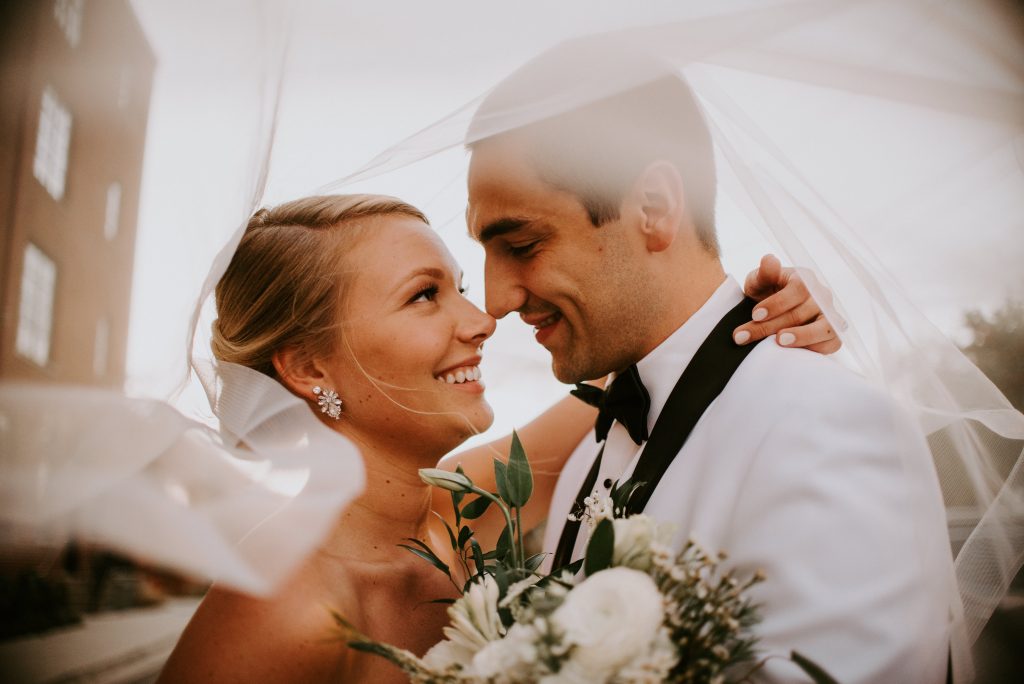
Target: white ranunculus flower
633,537
474,624
609,619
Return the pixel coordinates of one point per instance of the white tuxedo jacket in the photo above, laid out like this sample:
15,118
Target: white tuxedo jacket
803,470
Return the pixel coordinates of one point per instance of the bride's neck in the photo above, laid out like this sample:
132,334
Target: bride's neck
395,504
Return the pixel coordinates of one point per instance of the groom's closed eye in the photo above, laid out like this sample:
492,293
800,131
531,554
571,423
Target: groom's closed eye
523,250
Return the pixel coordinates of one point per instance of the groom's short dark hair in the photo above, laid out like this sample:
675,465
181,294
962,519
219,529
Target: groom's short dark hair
597,151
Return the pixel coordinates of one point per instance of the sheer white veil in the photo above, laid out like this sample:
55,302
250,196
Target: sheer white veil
920,101
923,103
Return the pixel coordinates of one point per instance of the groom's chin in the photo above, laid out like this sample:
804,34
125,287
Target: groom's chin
570,373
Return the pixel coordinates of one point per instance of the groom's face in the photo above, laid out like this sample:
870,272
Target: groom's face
578,285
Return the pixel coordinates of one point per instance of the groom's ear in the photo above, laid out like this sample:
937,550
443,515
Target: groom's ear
299,373
659,192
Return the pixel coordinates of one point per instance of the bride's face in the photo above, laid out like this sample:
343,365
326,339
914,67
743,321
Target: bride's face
410,347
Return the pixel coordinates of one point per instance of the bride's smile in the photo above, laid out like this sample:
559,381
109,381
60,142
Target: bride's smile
410,342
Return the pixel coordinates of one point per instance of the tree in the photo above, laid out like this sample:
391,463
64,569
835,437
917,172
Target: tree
998,348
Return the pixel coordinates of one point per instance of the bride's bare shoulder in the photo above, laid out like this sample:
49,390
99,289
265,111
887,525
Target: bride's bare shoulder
286,638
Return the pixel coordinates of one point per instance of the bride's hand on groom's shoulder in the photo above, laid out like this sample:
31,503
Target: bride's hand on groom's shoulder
785,308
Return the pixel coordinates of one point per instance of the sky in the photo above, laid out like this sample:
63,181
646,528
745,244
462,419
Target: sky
362,76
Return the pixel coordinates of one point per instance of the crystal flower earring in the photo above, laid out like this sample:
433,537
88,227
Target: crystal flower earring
329,402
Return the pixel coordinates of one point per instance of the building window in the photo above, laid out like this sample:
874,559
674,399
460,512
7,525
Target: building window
113,216
69,17
101,349
35,313
51,161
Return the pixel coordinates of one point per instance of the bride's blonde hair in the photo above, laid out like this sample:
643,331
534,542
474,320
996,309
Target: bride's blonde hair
284,284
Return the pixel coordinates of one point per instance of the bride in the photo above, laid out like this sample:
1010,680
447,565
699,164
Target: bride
354,304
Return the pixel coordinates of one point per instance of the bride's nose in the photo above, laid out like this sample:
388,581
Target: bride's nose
475,325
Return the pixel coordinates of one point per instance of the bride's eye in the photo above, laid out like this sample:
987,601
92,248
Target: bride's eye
427,294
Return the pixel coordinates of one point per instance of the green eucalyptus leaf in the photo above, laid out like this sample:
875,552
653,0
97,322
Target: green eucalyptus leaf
422,545
814,671
478,556
475,508
501,478
504,544
573,568
600,548
533,562
374,648
465,534
448,528
501,578
429,557
458,496
518,474
456,500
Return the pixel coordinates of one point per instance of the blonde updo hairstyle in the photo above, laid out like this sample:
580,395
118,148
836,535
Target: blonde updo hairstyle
285,283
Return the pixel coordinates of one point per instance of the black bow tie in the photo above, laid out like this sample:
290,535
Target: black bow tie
626,400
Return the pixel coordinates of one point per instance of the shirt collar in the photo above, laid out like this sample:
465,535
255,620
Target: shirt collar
661,368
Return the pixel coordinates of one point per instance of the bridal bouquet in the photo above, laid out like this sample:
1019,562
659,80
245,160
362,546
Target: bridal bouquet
637,613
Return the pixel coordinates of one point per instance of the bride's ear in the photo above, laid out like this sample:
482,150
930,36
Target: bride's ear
298,372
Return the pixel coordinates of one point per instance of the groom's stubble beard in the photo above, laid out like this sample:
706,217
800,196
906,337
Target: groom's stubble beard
616,308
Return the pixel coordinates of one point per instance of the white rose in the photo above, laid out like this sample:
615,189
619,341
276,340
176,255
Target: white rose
633,537
445,654
509,659
610,618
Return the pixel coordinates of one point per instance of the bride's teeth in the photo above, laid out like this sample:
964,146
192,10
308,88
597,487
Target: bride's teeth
470,374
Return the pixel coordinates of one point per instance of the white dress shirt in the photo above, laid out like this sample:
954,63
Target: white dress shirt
803,470
659,370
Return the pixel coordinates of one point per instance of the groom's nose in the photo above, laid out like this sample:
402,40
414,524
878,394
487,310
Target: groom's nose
503,293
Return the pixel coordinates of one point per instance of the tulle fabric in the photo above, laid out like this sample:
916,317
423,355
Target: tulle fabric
923,102
243,507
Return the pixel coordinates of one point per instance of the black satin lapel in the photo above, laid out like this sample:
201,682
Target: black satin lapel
705,377
571,528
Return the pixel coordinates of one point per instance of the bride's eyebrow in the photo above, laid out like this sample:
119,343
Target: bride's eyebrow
430,271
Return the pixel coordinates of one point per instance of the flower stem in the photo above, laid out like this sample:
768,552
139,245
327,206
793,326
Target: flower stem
519,536
508,520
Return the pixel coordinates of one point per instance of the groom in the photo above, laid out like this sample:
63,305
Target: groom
599,231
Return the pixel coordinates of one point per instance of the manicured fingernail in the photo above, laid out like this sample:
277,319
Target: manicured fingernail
786,339
742,337
760,314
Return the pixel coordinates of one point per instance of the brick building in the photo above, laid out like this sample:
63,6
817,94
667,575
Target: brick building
76,77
